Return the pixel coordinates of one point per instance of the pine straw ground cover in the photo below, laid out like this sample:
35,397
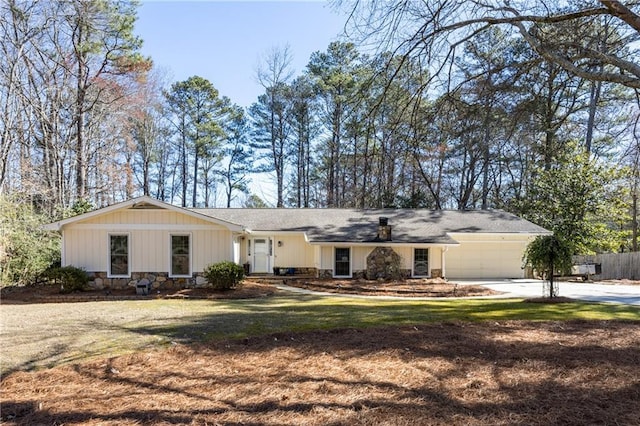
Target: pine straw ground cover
420,287
490,372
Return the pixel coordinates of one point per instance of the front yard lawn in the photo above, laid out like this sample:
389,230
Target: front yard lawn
45,335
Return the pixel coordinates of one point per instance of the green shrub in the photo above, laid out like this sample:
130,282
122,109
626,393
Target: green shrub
26,250
224,275
70,278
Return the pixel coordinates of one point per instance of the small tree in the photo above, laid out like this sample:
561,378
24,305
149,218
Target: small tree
547,254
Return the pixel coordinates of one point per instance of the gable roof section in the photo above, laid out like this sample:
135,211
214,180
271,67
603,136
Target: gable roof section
143,202
353,225
417,226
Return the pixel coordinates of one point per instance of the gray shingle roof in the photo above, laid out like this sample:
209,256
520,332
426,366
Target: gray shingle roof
353,225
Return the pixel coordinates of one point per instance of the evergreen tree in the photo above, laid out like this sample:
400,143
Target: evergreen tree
271,132
303,109
334,76
197,112
581,200
238,157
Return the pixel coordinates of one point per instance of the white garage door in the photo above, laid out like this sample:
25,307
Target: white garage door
475,259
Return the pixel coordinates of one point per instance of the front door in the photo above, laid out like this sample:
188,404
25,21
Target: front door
261,255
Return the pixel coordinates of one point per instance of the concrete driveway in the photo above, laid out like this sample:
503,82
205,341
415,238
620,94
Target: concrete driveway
592,292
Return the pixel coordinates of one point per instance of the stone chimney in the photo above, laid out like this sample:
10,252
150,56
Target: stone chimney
384,229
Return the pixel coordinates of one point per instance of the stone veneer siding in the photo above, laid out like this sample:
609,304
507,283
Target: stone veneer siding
158,280
325,273
384,263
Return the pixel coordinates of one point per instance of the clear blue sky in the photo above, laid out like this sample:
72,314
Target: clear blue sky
223,41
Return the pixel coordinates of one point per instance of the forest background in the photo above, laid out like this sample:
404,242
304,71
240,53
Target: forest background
526,106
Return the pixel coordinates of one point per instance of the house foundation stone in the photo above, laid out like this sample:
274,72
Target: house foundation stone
325,273
158,280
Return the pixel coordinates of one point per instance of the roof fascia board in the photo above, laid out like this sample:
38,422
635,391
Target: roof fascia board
383,243
274,232
494,234
248,231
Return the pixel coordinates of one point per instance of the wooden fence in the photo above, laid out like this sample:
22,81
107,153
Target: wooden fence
615,266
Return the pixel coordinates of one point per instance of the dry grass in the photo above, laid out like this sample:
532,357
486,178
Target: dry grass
508,372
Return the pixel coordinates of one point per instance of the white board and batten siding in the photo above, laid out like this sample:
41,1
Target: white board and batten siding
86,243
358,256
292,251
486,256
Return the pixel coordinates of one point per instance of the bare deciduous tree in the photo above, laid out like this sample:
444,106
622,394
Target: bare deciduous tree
436,30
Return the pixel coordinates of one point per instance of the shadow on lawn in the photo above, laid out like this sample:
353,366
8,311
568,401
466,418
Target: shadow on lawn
240,319
470,373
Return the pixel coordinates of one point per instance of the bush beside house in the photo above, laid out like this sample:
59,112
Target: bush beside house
70,278
224,275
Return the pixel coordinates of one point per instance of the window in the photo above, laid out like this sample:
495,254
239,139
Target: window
119,255
180,256
342,267
421,262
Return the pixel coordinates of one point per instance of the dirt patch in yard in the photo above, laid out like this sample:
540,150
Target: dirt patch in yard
409,288
499,373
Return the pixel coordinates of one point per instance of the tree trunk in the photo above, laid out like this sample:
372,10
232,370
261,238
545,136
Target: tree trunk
593,104
634,214
145,177
194,194
81,162
184,168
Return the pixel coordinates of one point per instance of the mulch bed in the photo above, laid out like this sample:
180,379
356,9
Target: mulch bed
435,287
252,288
498,373
50,293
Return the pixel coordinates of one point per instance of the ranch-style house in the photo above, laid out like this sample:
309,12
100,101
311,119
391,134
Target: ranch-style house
169,246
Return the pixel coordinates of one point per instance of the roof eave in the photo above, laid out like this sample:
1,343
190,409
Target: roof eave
383,243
